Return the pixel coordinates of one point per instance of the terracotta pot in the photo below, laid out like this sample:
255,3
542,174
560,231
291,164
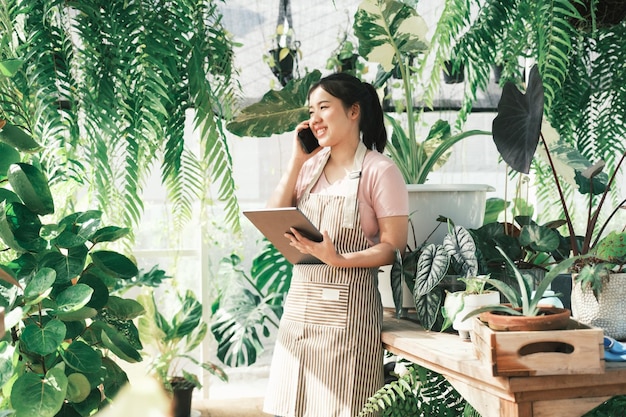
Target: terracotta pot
551,318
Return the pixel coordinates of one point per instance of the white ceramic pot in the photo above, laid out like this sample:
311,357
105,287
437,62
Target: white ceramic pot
462,203
463,304
608,312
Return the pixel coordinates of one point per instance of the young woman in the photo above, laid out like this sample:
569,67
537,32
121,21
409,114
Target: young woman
328,358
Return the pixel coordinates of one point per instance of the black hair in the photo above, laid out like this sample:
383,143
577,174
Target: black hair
350,90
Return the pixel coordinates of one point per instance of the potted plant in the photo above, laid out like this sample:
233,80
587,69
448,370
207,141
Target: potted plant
284,56
424,270
66,325
459,303
517,131
524,311
169,343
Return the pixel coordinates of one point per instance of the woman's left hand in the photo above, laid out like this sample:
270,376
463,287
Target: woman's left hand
325,250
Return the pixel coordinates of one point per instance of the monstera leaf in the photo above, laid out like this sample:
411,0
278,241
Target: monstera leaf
388,29
278,111
517,126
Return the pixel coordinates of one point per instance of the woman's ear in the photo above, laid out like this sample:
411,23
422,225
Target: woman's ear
355,111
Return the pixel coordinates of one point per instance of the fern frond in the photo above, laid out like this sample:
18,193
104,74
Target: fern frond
419,392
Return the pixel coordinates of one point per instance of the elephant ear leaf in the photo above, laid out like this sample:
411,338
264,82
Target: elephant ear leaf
279,111
517,126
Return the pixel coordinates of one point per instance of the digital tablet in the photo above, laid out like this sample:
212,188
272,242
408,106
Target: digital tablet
275,222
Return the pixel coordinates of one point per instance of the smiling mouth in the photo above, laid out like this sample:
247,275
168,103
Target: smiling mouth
320,132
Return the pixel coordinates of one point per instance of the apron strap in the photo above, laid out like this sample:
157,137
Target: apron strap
350,205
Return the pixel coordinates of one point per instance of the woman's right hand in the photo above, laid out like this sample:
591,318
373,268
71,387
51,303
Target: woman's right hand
298,151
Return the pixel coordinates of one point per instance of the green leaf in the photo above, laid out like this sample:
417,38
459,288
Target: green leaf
428,307
33,395
78,228
277,112
109,234
82,357
17,138
187,318
612,247
387,28
9,67
432,266
82,313
43,340
117,343
115,377
114,264
8,156
539,238
31,185
73,298
19,228
67,266
460,245
6,362
7,275
100,296
124,308
238,338
78,388
91,404
40,286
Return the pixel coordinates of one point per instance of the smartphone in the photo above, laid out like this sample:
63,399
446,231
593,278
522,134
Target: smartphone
308,140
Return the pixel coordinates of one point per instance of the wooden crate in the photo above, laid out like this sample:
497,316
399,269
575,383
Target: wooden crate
577,350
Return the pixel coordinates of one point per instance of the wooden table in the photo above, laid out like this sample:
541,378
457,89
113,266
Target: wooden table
530,396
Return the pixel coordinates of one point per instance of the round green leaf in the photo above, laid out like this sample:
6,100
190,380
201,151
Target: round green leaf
124,308
31,185
66,267
78,388
114,264
46,340
35,396
91,404
100,295
74,328
40,286
73,298
82,357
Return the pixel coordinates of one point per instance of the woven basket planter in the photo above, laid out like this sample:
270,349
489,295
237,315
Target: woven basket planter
608,312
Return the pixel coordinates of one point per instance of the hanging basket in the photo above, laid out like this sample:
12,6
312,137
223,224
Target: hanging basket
608,311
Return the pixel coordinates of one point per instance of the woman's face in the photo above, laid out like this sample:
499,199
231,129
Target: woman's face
329,120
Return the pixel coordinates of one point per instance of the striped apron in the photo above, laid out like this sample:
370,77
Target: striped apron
328,357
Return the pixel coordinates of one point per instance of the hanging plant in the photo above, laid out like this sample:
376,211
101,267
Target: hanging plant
284,56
